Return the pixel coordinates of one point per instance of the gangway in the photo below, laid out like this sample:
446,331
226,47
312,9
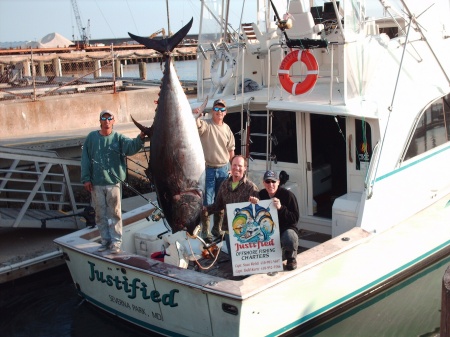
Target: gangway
37,185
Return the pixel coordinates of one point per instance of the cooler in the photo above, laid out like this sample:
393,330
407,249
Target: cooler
345,213
146,240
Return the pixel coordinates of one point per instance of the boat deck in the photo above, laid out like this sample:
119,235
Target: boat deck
203,273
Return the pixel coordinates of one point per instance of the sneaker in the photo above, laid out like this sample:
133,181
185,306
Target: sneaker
291,264
102,248
115,250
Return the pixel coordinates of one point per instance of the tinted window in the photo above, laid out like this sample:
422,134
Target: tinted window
284,134
432,129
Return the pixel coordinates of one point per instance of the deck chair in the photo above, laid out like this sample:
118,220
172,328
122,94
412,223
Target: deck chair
303,25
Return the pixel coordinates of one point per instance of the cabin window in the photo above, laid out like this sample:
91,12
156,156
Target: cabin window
283,136
433,128
363,144
284,132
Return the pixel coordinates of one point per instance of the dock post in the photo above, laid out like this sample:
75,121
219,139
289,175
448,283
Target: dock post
143,70
98,69
445,305
41,68
57,66
118,68
26,68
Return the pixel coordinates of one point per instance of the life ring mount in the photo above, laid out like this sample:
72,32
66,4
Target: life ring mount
230,62
298,88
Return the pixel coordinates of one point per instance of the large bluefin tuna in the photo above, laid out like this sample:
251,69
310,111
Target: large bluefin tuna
176,163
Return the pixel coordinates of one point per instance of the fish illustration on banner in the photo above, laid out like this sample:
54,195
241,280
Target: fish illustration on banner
254,238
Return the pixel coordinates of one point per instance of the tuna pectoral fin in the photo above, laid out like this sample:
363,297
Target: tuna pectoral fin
148,131
164,45
201,108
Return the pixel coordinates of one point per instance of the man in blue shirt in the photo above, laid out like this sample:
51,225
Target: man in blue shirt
103,167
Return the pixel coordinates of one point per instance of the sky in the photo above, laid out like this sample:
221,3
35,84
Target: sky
31,20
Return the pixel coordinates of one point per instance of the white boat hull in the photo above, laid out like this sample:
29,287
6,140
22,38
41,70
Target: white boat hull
330,278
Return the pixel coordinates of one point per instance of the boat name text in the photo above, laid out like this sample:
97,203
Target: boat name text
132,287
257,245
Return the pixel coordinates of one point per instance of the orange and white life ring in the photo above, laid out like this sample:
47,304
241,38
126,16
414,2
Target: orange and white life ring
308,83
230,62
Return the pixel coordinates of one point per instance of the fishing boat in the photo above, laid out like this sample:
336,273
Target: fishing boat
353,111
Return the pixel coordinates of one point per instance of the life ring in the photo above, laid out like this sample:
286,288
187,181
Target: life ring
308,83
215,72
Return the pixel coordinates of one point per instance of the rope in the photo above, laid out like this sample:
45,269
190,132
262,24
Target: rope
196,260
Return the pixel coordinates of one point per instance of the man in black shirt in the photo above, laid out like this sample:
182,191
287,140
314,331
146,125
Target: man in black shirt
288,214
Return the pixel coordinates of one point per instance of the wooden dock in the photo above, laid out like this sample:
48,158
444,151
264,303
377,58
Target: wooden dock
25,251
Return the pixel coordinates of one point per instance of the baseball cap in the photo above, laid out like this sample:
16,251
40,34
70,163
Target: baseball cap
271,175
104,112
220,102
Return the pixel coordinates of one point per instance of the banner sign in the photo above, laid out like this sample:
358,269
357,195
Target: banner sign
254,238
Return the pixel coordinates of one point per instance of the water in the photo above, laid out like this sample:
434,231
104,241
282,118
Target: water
186,70
47,304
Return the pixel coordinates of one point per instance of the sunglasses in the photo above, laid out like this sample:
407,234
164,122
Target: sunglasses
220,109
269,181
106,118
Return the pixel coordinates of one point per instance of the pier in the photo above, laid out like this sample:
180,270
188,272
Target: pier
59,62
39,151
49,101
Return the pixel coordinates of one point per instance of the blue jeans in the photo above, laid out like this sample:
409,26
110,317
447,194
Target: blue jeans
214,178
289,243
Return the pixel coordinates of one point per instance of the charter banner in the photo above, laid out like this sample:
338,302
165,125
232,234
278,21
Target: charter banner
254,238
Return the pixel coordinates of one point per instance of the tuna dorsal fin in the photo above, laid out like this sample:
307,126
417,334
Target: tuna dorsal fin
165,45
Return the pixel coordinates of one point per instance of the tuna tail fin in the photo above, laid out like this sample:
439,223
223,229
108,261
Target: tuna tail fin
165,45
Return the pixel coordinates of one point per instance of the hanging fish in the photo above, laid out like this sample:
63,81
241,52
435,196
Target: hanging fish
177,163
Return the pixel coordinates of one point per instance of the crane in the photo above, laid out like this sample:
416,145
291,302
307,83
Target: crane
84,32
162,31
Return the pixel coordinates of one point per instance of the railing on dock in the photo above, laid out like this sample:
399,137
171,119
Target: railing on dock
38,185
39,73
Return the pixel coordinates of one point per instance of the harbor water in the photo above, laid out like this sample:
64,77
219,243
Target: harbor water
47,305
186,70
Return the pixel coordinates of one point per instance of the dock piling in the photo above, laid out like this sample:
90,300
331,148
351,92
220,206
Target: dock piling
143,70
445,305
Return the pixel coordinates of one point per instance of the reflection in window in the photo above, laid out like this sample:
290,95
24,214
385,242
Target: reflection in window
284,134
433,128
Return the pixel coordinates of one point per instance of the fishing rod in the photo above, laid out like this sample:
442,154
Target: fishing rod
88,214
280,22
128,185
133,161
